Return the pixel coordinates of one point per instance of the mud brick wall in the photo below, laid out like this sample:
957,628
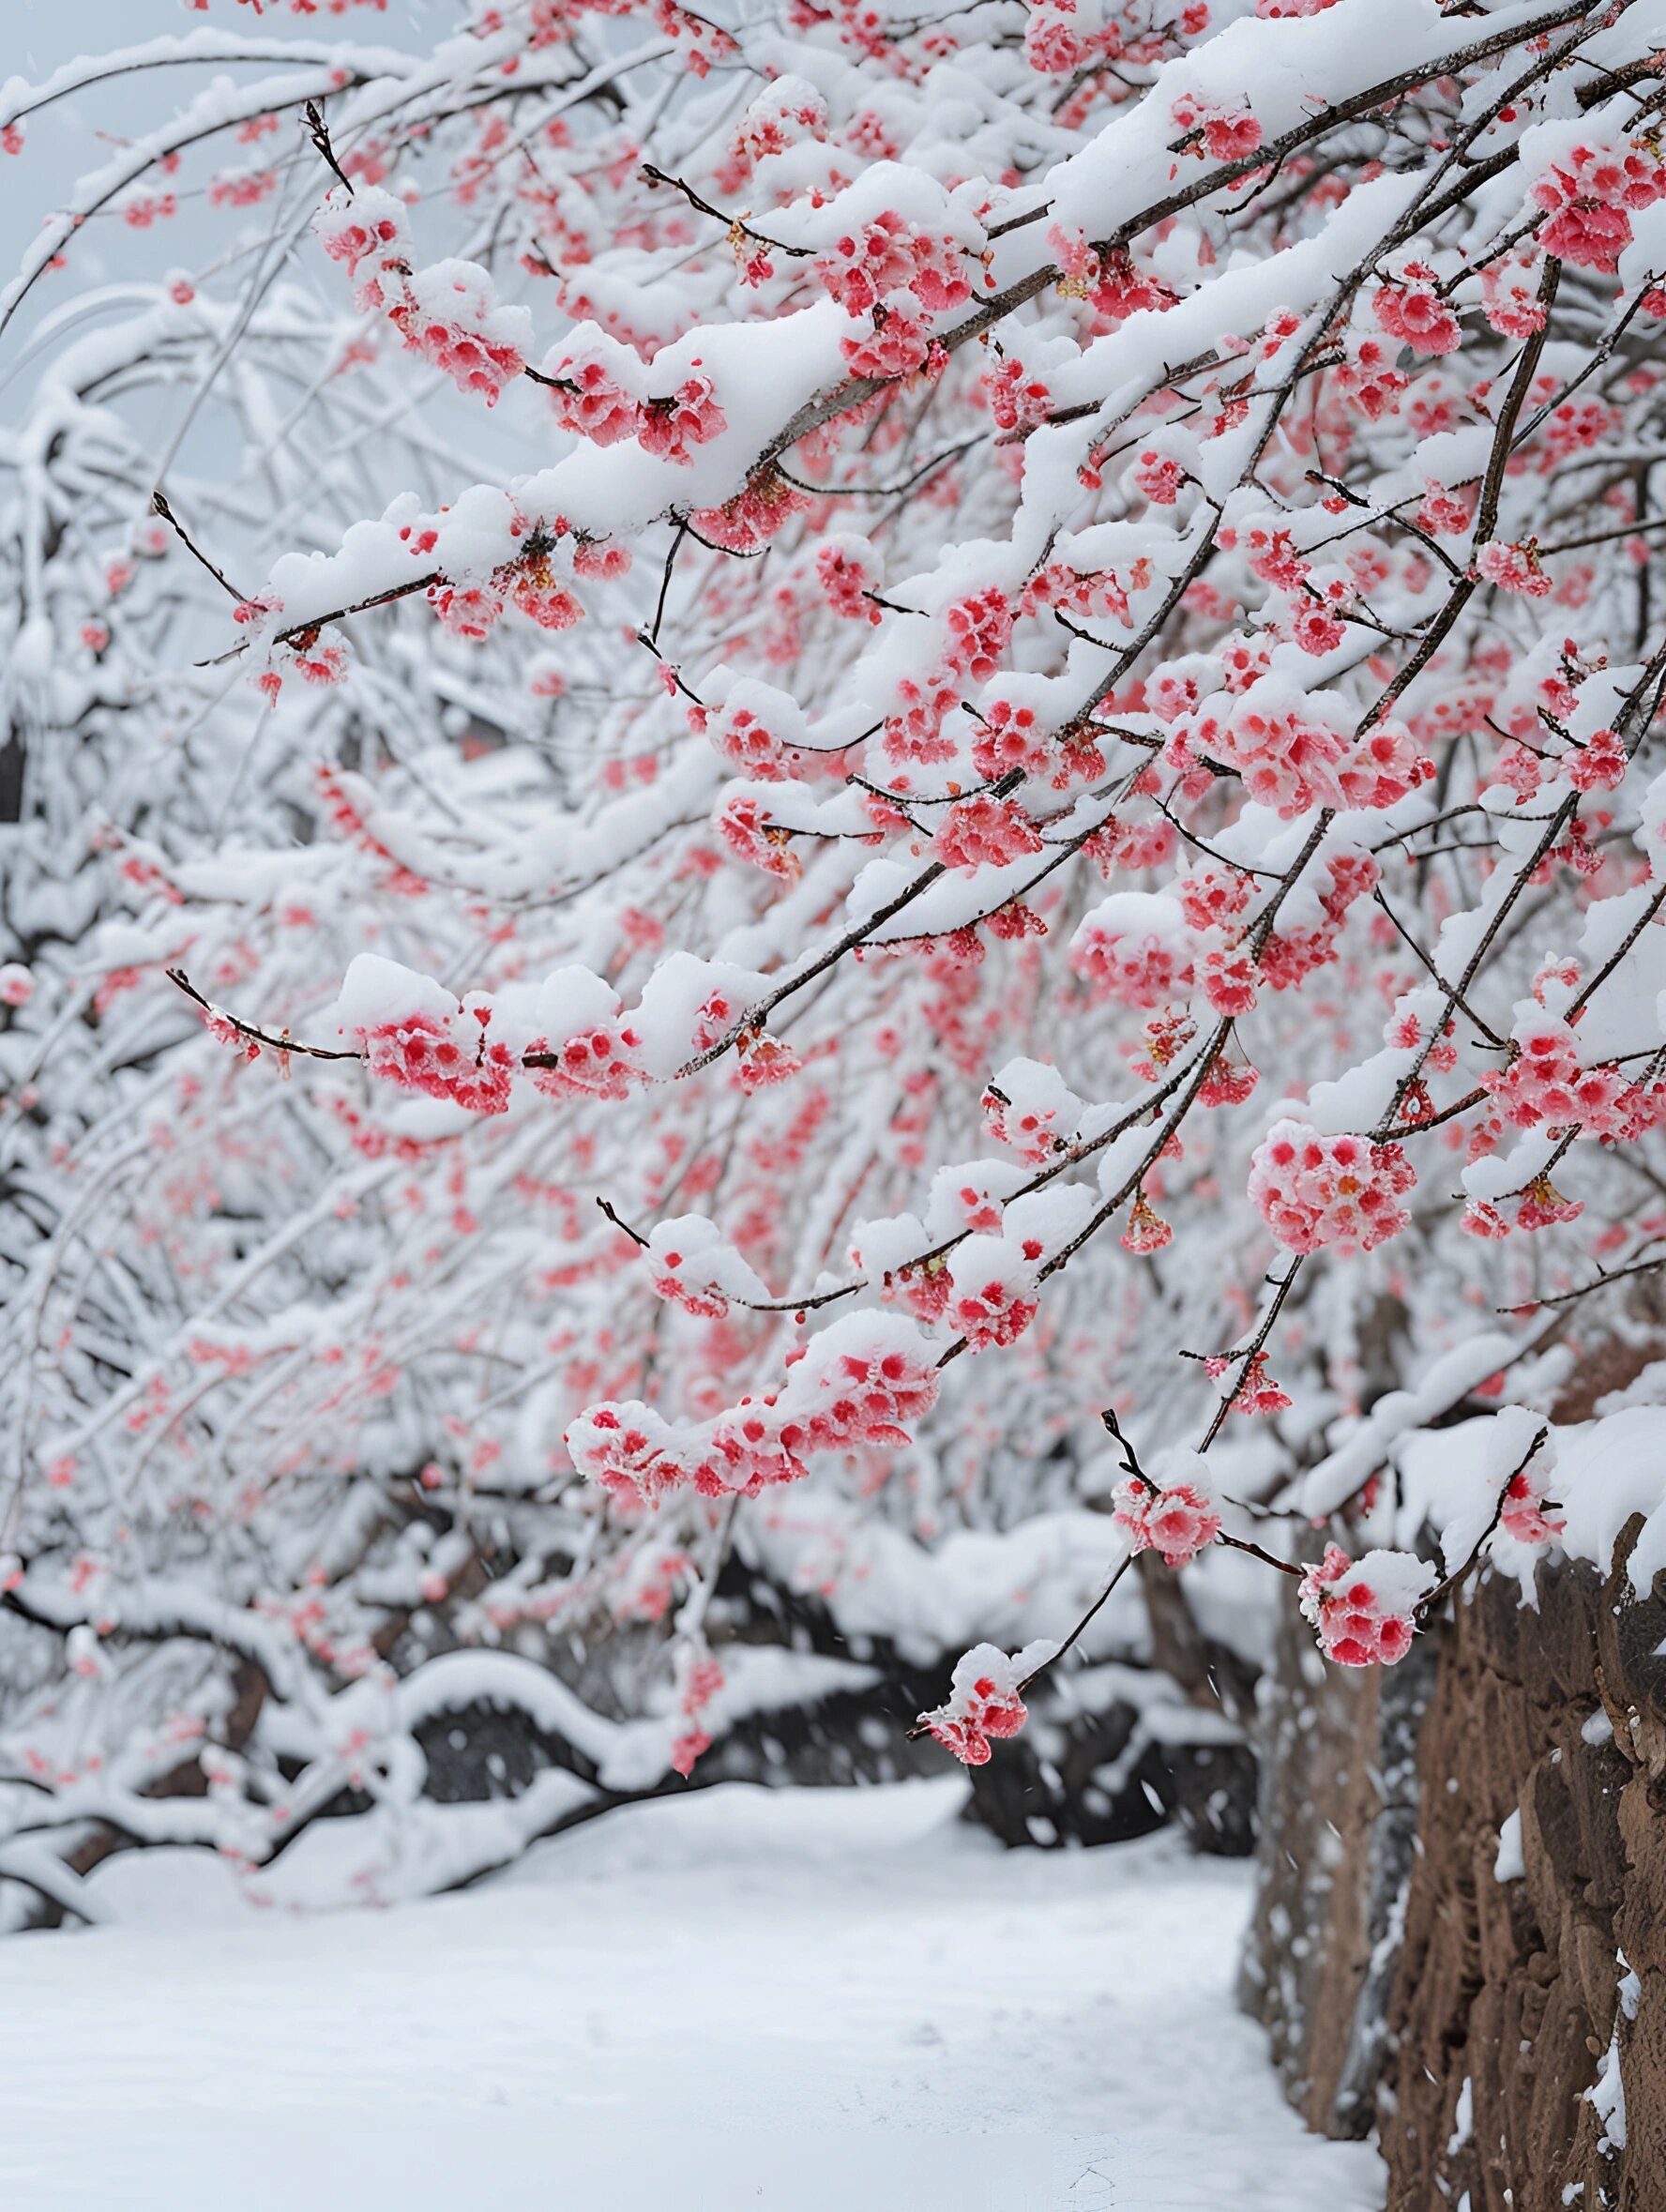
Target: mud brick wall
1403,1984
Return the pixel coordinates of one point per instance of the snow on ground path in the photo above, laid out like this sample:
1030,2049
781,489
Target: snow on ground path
827,2001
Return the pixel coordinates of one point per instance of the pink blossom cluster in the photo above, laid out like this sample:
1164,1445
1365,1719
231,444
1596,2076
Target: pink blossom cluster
1255,1391
1291,759
745,828
700,1677
1017,399
1509,297
1146,1231
746,741
1178,1521
992,1296
1123,288
1366,1610
447,314
751,1448
898,345
1368,378
707,41
979,628
985,832
430,1056
590,400
1540,1205
671,427
1547,1083
771,125
1214,896
628,1451
1157,477
763,1060
845,571
759,511
1011,735
1232,982
602,1061
371,224
1590,199
985,1700
1031,1109
1524,1515
1339,1192
1513,568
1411,308
1131,948
1446,513
466,610
854,1387
1057,44
596,386
891,255
1228,134
685,1259
1600,764
543,599
913,728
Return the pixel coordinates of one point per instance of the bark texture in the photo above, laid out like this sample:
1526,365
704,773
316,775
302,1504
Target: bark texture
1474,2020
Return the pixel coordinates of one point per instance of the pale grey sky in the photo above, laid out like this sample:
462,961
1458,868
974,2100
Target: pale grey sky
37,36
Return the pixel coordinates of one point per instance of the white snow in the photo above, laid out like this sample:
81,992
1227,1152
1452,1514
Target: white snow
1510,1864
732,1999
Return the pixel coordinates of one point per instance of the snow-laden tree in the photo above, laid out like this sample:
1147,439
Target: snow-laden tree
759,762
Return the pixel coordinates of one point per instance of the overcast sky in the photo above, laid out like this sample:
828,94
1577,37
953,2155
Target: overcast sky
37,36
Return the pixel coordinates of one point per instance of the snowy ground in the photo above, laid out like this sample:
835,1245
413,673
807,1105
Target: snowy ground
831,2001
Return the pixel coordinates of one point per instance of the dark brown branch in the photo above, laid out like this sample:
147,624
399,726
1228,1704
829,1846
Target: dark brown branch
1426,1605
318,132
158,506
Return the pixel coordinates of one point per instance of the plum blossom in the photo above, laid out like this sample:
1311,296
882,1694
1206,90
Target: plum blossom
1410,308
1509,297
1513,568
1255,1392
985,832
1031,1109
1590,199
1524,1515
602,1061
672,426
1086,604
745,828
1547,1083
992,1297
1366,1610
845,571
1134,947
985,1699
628,1451
449,314
1178,1521
889,256
1317,1192
1293,757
